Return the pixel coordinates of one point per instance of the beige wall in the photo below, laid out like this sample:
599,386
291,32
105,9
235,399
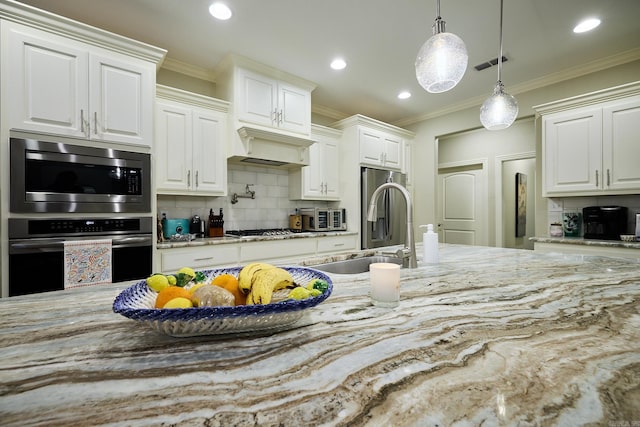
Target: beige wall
425,148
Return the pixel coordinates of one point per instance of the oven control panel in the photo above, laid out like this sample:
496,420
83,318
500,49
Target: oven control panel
31,228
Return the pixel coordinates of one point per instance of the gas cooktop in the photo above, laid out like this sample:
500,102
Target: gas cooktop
262,232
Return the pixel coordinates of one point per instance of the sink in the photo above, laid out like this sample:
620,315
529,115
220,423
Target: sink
355,265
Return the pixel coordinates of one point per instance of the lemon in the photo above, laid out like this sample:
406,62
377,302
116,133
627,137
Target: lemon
299,293
315,292
157,282
188,271
172,279
179,302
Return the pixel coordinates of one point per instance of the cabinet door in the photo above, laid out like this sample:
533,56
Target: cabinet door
121,100
572,151
371,147
294,109
257,98
209,158
49,82
331,168
392,155
621,147
313,185
173,147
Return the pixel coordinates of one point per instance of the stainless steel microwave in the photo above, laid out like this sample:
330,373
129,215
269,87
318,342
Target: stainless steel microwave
62,177
323,219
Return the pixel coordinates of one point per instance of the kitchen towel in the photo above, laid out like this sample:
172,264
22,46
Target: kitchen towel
87,262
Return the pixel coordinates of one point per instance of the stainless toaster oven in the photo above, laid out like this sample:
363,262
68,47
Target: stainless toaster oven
323,219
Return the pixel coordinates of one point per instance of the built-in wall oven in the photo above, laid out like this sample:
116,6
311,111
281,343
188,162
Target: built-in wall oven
36,249
49,176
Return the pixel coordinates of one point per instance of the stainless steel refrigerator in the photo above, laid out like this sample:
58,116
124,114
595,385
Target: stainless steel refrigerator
390,227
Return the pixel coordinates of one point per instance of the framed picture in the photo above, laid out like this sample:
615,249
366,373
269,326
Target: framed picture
521,204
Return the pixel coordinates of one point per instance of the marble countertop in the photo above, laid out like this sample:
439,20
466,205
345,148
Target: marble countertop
587,242
234,240
488,337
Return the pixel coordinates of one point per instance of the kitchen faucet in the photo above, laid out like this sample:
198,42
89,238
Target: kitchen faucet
409,250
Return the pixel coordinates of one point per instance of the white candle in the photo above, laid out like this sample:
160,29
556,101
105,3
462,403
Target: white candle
385,284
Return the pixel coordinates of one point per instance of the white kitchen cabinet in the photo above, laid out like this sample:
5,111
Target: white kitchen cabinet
321,179
67,87
199,258
267,101
276,250
190,143
380,149
338,243
592,149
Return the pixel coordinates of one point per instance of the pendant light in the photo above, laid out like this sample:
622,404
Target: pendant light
442,60
500,109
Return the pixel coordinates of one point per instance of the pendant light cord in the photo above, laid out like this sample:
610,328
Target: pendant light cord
500,56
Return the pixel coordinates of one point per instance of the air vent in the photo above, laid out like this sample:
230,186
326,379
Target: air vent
490,63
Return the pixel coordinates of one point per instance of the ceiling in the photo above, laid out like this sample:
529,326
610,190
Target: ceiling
379,39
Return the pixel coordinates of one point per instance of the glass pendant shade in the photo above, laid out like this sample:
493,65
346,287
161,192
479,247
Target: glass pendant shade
499,110
441,62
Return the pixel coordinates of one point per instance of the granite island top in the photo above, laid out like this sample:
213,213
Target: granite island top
587,242
489,336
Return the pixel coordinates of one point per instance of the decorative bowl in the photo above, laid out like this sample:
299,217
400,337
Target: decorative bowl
628,237
137,303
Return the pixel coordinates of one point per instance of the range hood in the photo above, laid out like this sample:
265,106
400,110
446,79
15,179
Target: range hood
269,148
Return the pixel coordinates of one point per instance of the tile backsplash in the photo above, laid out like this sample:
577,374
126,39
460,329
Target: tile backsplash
270,208
556,206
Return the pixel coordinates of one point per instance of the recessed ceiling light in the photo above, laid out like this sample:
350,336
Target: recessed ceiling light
220,11
586,25
404,95
338,64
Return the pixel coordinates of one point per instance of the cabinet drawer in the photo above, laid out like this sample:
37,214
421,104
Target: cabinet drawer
336,243
171,260
277,249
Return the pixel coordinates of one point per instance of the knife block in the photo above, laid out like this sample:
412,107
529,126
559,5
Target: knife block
216,226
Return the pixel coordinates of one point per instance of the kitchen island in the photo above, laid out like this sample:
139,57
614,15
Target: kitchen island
487,337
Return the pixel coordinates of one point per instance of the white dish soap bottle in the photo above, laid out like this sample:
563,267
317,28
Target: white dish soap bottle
429,245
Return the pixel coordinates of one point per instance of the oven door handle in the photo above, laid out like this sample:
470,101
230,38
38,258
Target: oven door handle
131,240
38,245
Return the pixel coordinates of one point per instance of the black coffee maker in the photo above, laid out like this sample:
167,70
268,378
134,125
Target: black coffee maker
604,222
195,226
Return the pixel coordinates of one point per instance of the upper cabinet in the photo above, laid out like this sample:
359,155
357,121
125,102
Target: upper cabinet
189,144
381,149
321,179
275,103
90,84
270,115
590,143
379,144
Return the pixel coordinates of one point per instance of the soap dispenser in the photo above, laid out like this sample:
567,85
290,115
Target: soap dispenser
429,245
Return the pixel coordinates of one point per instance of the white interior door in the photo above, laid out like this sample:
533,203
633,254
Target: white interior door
462,207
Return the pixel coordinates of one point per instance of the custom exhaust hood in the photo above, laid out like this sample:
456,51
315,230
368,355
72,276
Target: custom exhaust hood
269,148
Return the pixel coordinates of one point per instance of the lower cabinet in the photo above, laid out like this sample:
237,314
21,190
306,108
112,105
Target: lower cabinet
273,250
243,252
337,243
198,257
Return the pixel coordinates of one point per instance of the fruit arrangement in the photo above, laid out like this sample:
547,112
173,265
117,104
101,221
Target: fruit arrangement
257,283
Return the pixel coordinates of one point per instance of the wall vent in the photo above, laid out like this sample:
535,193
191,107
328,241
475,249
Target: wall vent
490,63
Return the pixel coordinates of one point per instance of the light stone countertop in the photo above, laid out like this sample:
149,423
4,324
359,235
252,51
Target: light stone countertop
235,240
489,336
587,242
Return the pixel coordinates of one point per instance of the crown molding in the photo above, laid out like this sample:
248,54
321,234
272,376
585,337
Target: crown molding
189,70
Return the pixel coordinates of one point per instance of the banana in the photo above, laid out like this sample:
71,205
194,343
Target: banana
265,281
246,274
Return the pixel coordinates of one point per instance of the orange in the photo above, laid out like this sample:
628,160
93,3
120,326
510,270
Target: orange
169,293
230,283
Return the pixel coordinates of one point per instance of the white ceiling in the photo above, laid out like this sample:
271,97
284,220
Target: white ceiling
379,39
